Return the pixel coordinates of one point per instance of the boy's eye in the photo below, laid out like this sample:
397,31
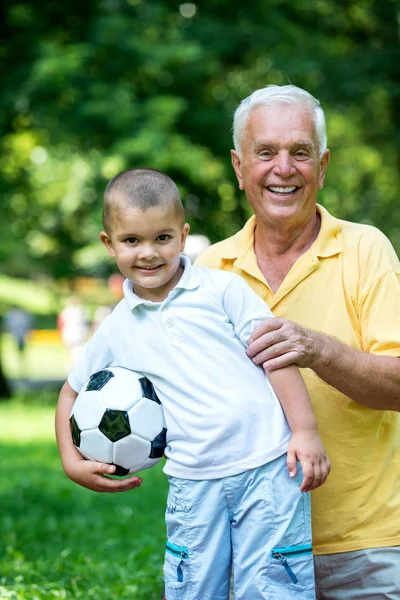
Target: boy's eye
131,240
164,237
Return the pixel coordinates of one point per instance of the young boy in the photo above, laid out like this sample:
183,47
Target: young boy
231,498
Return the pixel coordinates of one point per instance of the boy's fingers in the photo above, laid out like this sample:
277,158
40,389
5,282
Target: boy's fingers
104,484
110,469
123,485
327,465
101,468
318,477
291,462
308,476
306,484
315,474
325,469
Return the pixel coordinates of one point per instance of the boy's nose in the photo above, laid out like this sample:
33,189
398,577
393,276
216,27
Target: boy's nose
147,252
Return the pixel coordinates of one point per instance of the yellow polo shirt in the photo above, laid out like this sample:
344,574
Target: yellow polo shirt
347,285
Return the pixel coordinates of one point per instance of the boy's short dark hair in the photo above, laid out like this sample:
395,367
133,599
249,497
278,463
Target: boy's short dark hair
142,189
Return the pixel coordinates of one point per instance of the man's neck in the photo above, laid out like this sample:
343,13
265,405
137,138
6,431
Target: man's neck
285,240
277,249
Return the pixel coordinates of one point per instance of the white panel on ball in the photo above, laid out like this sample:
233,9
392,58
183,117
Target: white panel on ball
146,419
131,450
122,391
95,444
88,409
150,462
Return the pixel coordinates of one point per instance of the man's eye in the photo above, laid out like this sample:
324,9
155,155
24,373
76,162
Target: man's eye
301,154
266,153
163,237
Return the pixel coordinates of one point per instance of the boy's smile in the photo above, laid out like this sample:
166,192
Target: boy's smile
147,245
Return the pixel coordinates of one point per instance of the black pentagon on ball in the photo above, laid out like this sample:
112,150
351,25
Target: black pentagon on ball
114,424
158,445
120,471
98,380
75,431
148,390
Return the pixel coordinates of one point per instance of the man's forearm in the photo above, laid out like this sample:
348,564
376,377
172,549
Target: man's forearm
370,380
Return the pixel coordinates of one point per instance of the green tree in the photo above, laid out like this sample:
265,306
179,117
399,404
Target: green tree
96,87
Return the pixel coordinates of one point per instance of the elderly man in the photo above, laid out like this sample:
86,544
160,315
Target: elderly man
334,289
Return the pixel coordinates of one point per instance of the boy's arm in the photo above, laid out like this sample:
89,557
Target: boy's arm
88,473
245,310
305,445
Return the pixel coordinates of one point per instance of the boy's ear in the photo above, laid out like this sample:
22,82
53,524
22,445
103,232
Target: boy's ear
105,239
184,234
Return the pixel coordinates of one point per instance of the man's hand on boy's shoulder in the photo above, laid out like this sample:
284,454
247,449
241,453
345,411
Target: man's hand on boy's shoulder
95,476
306,447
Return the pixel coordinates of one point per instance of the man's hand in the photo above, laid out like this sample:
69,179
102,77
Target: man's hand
306,447
93,475
277,343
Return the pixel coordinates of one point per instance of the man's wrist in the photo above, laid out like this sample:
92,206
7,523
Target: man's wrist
321,351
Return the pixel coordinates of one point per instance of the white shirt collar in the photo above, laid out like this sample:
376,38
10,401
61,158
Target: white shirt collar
190,280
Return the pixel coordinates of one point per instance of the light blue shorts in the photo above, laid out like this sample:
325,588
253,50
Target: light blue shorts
257,521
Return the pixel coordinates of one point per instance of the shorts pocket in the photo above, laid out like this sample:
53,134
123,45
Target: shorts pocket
176,564
293,565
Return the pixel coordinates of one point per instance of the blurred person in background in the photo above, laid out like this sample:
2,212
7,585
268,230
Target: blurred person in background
333,287
115,283
73,325
18,323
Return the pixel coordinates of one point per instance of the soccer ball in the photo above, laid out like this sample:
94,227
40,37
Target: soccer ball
118,419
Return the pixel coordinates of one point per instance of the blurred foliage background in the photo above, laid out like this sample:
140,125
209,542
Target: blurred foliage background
90,88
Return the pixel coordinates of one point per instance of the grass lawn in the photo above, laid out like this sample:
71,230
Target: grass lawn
59,540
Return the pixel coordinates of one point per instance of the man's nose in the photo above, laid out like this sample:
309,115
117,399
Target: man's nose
284,164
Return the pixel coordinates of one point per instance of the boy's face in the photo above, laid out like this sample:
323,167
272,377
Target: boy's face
146,246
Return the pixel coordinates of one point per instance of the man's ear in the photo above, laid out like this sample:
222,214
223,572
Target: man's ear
323,166
106,241
237,165
184,234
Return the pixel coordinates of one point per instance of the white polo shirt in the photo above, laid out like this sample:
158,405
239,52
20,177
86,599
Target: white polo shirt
221,413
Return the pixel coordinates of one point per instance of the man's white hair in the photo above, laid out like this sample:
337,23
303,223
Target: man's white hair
275,95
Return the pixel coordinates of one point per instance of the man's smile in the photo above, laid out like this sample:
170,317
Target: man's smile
282,190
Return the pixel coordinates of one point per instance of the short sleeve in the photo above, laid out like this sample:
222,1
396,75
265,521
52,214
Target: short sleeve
95,355
245,309
380,316
379,294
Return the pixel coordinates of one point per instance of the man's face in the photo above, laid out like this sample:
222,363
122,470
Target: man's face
280,169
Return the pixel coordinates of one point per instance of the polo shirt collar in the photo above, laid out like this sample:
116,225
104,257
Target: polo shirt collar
328,242
190,280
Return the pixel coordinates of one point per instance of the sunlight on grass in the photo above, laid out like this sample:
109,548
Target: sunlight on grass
21,423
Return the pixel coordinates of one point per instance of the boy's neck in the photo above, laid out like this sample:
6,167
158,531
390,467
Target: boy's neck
159,294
